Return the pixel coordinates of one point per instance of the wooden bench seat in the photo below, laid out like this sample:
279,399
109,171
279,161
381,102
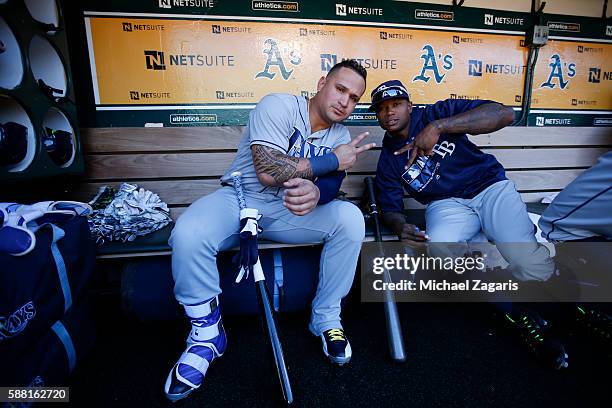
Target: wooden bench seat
156,244
183,164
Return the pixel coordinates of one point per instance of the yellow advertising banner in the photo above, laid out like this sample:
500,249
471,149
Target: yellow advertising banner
573,75
143,61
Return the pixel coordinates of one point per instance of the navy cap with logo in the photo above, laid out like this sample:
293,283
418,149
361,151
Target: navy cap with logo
388,90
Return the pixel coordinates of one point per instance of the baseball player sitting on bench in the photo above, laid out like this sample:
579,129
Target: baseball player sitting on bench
426,152
292,156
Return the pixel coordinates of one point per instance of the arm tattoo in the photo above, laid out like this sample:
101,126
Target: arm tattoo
280,166
483,119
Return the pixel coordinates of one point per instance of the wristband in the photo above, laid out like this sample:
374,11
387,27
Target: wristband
324,164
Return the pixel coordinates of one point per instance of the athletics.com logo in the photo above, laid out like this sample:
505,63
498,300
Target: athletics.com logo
292,6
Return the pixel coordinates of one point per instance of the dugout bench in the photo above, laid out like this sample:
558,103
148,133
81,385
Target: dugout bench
181,164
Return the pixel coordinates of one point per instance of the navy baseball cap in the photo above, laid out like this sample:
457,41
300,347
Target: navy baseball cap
388,90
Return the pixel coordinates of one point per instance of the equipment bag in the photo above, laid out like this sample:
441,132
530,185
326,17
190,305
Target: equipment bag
38,288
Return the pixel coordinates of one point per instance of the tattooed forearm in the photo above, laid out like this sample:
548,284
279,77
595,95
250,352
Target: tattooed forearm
483,119
274,168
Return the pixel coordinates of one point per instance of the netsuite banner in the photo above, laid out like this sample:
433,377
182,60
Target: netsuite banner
170,61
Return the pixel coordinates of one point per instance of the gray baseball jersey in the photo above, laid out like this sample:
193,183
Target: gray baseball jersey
281,121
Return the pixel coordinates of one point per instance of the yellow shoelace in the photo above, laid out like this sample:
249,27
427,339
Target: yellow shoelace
336,335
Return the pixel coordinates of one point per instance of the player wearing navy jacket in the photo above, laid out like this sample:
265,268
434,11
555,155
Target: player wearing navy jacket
427,153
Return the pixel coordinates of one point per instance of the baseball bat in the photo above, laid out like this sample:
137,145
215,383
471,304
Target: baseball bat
266,308
394,328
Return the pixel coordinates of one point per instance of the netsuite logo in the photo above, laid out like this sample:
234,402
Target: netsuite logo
344,10
583,102
329,60
156,60
430,65
470,97
15,323
304,32
186,3
130,27
491,19
234,94
475,68
384,35
541,121
275,59
136,95
218,29
595,75
583,49
609,31
558,71
469,40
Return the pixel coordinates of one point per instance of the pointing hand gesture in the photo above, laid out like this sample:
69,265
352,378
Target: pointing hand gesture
422,145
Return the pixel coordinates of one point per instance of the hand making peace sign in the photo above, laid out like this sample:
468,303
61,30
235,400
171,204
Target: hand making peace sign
347,153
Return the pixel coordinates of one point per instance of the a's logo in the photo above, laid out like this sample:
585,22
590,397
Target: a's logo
127,27
155,60
430,63
328,61
134,95
216,29
580,48
609,31
488,19
456,39
165,4
383,35
303,32
556,71
340,9
275,59
539,121
595,75
220,94
475,68
517,98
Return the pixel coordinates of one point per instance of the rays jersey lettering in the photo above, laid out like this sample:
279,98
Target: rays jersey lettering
15,323
424,169
301,147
